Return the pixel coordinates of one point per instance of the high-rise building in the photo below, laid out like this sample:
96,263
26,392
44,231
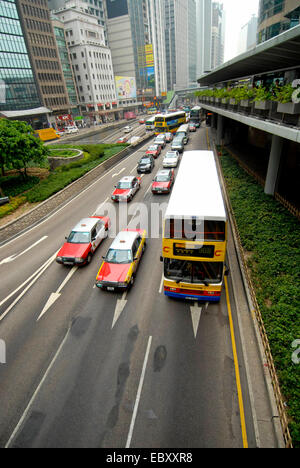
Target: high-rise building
192,43
128,38
247,38
18,87
59,31
275,17
156,14
94,7
90,57
203,21
39,36
176,43
217,35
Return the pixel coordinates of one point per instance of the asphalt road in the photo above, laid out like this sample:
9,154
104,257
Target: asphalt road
100,369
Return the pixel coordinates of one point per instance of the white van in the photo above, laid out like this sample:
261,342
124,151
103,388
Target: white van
183,131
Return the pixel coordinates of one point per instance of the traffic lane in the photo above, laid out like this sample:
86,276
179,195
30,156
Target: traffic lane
110,136
20,323
189,396
31,343
58,226
36,301
79,403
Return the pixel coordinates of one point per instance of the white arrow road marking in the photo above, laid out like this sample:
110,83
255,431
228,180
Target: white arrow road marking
41,271
118,173
121,303
54,296
13,257
196,314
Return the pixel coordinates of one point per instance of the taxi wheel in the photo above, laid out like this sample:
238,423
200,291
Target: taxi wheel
89,259
131,282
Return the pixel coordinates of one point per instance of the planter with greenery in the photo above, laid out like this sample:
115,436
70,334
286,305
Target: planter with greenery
262,98
271,240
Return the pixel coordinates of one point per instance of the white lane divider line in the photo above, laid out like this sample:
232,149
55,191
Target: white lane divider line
42,270
13,257
138,396
161,284
23,417
118,173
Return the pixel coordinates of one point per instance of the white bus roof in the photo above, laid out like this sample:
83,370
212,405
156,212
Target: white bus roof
197,191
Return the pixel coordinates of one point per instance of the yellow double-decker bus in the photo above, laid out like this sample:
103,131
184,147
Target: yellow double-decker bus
195,231
169,123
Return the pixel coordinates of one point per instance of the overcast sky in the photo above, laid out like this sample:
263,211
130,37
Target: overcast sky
238,13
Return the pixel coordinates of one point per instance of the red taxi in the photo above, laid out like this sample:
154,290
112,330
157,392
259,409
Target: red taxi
163,181
118,270
122,139
155,150
126,189
83,240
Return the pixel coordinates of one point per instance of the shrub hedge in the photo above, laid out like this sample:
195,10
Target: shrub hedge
271,237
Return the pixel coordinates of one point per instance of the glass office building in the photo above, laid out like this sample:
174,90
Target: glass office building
18,90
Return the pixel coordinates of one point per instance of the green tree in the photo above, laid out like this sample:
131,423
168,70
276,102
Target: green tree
19,146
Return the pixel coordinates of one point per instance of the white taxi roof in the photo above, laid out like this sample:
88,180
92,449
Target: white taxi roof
163,172
124,240
127,179
86,224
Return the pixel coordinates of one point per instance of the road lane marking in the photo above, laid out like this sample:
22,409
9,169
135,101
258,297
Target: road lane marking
56,295
236,366
161,284
118,173
134,169
42,270
196,315
121,303
27,409
13,257
138,396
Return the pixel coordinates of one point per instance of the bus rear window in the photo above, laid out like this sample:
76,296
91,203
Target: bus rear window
195,229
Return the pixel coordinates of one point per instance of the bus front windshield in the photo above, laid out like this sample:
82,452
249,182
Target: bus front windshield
193,272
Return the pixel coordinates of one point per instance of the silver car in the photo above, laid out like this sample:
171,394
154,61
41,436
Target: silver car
161,140
171,159
178,144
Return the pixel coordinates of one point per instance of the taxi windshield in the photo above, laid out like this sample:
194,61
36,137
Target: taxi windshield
118,256
79,237
124,185
152,148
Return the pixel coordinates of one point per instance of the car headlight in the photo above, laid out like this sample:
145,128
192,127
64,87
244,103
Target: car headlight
59,259
79,260
122,285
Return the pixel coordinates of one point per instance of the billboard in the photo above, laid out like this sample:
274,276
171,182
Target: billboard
125,87
116,8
